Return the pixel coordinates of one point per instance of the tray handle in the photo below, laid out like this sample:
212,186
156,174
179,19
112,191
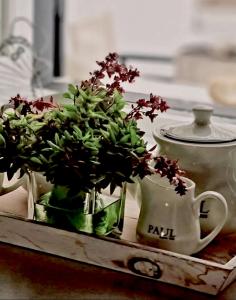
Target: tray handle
144,266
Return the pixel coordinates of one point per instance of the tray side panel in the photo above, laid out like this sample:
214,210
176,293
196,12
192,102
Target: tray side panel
229,280
115,255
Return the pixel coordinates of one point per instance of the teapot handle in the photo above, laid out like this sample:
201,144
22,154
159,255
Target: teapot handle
197,202
10,188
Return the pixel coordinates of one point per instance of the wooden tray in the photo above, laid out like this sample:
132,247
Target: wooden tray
211,271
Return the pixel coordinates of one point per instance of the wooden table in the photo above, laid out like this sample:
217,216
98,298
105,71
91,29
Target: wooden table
26,274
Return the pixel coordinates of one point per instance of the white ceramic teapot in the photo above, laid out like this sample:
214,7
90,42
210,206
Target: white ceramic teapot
207,152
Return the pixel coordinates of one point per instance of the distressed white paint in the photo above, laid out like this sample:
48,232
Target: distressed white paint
186,271
201,274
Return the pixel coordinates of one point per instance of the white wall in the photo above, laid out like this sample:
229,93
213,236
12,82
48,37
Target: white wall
125,26
139,26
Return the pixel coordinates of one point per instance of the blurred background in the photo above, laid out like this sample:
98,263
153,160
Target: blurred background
184,49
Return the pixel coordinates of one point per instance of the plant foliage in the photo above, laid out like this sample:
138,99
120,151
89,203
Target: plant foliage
89,142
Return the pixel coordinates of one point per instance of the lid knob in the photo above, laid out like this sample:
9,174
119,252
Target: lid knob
202,114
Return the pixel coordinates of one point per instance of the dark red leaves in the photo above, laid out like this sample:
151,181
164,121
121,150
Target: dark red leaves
27,106
120,73
117,72
18,101
170,169
41,104
142,103
147,108
163,166
142,168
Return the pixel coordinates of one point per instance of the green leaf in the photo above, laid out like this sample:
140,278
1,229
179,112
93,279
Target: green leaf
90,145
115,127
80,221
44,199
125,138
120,105
70,107
117,95
112,135
102,93
104,133
70,114
83,94
97,115
43,158
87,136
119,122
2,142
67,135
96,99
133,136
36,160
72,89
57,139
54,146
59,193
77,131
67,95
37,125
123,114
140,150
120,174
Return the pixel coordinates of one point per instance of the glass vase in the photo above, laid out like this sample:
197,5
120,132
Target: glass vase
93,213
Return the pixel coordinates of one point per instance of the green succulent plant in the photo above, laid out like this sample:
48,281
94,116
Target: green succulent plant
87,143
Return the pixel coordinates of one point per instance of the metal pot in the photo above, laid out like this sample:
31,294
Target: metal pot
207,152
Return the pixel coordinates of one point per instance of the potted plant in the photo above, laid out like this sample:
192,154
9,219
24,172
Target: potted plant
84,146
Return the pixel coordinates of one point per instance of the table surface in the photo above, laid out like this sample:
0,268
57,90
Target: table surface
26,274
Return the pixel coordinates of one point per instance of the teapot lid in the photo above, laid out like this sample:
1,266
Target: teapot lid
201,130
